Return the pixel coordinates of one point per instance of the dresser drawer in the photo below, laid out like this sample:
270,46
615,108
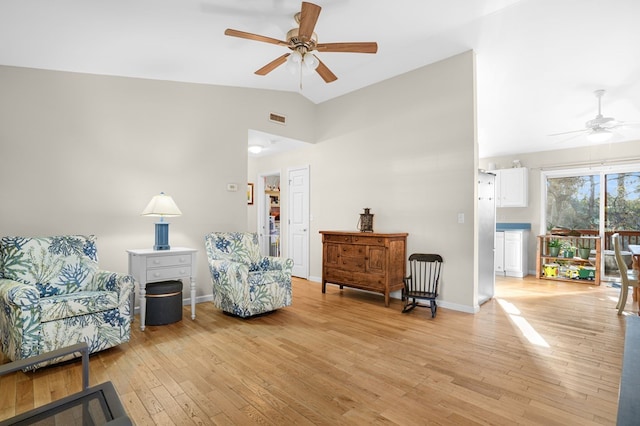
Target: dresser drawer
370,281
162,261
351,263
168,273
351,250
333,238
338,276
372,241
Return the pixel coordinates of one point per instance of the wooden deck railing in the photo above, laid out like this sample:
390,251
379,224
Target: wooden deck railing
628,237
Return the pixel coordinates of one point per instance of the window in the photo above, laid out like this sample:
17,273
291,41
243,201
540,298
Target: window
573,202
622,209
598,201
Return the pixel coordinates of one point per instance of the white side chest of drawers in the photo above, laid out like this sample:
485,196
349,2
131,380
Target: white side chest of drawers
149,266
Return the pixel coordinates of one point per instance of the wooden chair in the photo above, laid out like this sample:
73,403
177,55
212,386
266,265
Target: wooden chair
627,278
422,282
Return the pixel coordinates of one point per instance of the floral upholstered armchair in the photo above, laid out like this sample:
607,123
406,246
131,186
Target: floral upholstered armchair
245,283
53,295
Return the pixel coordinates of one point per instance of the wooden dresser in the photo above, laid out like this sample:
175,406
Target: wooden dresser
364,260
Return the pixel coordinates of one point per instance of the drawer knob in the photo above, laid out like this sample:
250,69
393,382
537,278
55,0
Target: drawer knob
156,274
156,261
182,260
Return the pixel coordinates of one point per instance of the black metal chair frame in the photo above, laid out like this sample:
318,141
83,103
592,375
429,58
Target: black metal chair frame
104,393
422,282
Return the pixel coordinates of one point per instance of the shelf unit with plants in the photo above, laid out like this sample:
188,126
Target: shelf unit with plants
569,258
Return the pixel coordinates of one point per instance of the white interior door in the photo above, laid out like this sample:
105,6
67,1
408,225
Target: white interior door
299,220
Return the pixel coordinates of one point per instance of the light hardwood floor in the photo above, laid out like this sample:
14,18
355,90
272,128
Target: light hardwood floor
343,358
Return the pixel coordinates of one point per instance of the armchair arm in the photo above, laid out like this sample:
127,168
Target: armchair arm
112,281
14,293
20,317
120,283
225,272
272,263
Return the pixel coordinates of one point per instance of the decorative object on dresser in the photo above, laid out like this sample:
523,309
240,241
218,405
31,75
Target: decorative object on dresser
374,261
53,295
149,266
245,283
423,282
162,206
365,224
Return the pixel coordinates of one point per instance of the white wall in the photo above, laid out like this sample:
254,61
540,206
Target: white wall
406,149
84,154
559,159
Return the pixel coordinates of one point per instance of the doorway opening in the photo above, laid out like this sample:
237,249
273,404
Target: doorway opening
281,199
269,216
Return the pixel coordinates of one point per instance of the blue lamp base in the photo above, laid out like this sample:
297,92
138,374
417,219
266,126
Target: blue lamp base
162,236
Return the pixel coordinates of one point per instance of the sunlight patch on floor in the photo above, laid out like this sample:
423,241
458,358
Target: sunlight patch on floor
521,322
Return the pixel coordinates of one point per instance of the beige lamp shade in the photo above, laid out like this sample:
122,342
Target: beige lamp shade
161,205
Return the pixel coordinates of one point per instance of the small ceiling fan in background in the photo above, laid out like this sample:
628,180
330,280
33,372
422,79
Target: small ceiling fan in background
600,128
302,42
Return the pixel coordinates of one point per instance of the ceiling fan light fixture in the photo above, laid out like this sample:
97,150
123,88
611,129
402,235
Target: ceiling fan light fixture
310,61
599,135
295,57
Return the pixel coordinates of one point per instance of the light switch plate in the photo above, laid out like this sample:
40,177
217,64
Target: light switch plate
232,187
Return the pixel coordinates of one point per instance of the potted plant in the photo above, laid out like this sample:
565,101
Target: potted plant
554,247
568,251
584,251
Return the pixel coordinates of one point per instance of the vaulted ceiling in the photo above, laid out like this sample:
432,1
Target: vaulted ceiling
538,61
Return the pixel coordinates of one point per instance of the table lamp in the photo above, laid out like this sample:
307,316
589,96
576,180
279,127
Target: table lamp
162,206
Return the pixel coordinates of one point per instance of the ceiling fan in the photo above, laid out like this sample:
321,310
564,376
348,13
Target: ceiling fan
598,129
302,41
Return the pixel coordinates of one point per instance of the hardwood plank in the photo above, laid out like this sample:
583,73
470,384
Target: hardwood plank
343,358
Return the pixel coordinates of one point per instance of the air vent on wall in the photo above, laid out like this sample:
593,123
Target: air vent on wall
277,118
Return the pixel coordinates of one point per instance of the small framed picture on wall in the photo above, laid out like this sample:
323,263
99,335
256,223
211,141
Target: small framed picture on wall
249,193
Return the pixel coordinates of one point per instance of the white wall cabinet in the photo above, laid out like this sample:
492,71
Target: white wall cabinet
511,253
512,187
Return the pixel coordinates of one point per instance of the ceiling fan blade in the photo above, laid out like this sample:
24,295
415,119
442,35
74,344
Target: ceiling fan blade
273,65
308,18
566,133
325,72
355,47
256,37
